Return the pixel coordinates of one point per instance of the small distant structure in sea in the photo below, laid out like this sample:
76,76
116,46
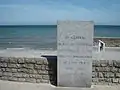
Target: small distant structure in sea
101,46
10,42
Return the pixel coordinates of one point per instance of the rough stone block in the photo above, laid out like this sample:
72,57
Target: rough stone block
15,79
12,65
7,74
11,78
96,63
29,66
32,75
117,75
3,69
24,75
3,65
12,60
20,70
113,69
101,79
94,74
8,69
94,79
13,70
109,75
106,69
118,70
43,67
32,71
47,67
24,70
32,80
4,59
21,60
42,72
38,76
30,60
103,63
115,80
45,77
38,81
17,74
0,74
108,80
38,66
119,80
93,69
102,69
21,79
38,61
110,63
45,81
4,78
21,65
100,75
116,63
45,61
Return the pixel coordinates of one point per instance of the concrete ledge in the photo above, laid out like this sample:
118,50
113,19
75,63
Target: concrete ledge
9,85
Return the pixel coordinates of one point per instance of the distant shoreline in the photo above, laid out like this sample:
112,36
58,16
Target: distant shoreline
108,37
109,41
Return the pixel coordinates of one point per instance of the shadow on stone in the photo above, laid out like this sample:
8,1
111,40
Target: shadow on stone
52,64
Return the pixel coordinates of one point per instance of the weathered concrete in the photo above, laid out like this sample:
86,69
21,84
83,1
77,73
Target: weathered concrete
74,45
9,85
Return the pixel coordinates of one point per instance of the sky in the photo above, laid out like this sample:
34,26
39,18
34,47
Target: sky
49,11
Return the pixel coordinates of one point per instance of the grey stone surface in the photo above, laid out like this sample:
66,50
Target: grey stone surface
101,74
21,79
21,60
10,65
38,61
25,69
3,65
38,66
45,77
31,60
12,60
74,44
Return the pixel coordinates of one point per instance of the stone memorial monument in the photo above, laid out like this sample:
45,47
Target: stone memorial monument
74,59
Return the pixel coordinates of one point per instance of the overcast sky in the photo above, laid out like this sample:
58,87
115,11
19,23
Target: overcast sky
49,11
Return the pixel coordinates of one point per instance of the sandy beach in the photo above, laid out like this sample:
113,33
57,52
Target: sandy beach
112,51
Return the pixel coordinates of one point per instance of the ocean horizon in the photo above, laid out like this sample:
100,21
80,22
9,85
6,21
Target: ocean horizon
44,36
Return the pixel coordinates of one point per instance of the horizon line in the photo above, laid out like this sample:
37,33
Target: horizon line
50,25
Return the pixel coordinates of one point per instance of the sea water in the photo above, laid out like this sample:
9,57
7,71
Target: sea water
43,36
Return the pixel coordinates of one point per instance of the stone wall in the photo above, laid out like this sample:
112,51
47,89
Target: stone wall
34,70
106,72
42,70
